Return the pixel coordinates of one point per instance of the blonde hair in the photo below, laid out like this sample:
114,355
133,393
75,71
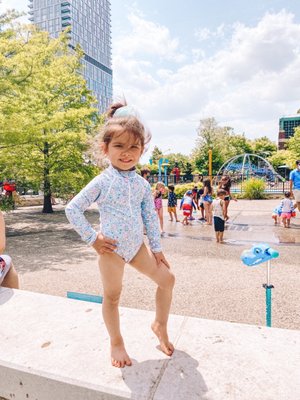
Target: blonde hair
159,184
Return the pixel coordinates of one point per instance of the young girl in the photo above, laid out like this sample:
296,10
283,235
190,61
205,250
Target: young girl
276,215
286,208
207,200
125,204
157,195
8,275
225,184
186,206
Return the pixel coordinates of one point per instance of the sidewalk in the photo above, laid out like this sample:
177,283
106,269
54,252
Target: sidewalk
211,281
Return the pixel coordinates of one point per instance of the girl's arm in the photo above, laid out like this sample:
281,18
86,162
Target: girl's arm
77,206
223,209
2,233
150,220
181,203
231,197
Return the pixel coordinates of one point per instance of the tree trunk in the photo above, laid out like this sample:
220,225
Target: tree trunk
47,208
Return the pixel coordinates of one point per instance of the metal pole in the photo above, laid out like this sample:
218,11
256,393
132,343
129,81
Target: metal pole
210,164
166,178
268,288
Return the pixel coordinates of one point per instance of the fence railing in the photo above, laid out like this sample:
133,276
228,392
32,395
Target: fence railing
236,187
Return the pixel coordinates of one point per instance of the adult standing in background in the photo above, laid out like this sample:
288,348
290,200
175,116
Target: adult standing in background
145,173
295,183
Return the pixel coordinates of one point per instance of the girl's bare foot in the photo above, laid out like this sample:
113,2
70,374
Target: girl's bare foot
119,356
161,332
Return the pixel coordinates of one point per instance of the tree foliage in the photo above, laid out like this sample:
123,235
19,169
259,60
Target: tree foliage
294,147
46,112
264,147
223,142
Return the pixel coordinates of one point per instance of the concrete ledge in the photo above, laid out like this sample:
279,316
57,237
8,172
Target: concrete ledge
54,348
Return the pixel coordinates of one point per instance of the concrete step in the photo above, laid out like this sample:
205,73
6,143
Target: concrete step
53,348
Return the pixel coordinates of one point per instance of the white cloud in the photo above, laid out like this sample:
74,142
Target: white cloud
204,34
248,84
148,38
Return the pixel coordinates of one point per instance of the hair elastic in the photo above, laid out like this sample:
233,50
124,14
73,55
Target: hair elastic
125,111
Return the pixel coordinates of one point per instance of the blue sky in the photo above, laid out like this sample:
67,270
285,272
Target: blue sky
178,62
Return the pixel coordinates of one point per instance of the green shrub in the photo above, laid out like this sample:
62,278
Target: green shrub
6,203
253,189
182,188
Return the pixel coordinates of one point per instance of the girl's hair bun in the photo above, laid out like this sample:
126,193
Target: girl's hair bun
114,107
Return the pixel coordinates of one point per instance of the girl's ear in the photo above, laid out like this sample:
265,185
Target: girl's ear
103,147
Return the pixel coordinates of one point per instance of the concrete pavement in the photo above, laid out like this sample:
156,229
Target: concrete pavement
211,281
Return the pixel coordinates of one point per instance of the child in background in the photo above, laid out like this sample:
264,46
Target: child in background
207,200
158,193
194,191
172,203
286,208
187,206
219,213
276,215
200,204
225,184
125,204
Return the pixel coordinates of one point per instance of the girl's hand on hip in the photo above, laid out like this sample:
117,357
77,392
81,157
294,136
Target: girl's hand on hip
104,244
160,258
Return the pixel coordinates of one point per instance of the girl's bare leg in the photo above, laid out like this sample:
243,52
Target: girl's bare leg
226,205
11,279
284,222
145,263
207,207
161,219
112,268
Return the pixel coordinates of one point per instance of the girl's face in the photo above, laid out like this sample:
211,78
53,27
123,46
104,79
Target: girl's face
160,188
122,152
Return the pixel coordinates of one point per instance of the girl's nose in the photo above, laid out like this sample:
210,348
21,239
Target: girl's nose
126,151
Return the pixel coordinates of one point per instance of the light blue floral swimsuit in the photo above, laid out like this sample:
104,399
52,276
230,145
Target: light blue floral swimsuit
125,204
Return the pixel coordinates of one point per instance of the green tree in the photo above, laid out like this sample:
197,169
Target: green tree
293,146
264,147
235,144
181,160
280,158
46,112
210,136
156,155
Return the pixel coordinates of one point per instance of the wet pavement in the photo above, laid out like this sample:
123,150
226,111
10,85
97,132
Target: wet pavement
211,281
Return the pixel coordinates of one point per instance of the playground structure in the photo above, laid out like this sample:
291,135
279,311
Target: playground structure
246,166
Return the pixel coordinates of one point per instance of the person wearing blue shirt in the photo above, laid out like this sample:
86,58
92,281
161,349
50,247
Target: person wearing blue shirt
295,183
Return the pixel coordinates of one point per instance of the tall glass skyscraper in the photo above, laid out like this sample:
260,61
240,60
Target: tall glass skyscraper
90,25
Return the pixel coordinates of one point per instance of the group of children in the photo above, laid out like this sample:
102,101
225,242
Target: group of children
212,210
285,211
